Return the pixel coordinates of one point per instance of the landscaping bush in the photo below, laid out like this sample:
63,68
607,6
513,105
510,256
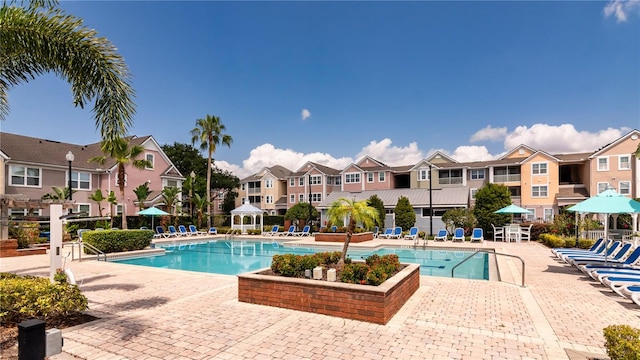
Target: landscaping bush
329,257
585,243
25,234
25,297
286,265
109,241
554,241
622,342
355,273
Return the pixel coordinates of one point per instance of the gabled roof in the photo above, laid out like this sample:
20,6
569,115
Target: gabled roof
440,154
444,197
631,133
422,163
577,157
369,158
517,148
310,165
540,152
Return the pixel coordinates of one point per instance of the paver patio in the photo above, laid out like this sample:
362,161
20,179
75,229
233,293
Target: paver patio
149,313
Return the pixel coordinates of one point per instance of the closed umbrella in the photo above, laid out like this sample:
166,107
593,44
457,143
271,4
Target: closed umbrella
152,211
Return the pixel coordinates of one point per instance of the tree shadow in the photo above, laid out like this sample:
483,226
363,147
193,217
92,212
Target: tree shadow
100,287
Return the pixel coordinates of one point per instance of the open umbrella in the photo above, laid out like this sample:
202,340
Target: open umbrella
512,209
607,202
152,211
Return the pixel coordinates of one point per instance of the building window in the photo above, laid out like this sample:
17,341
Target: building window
220,205
624,187
292,198
25,176
292,182
424,175
539,168
602,186
80,181
548,215
316,197
24,212
603,163
149,158
301,197
381,176
242,186
338,180
477,174
351,178
83,208
369,177
473,193
301,181
268,199
268,183
119,209
170,183
624,162
531,215
315,180
539,191
453,176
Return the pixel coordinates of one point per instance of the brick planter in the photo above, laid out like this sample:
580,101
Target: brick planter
9,248
375,304
340,237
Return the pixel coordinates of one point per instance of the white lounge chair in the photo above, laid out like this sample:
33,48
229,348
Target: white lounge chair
273,232
442,235
458,235
477,235
412,235
290,232
305,231
397,233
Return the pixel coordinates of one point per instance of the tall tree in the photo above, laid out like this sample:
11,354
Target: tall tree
199,205
120,150
490,198
377,203
209,132
142,193
39,38
405,215
170,198
357,212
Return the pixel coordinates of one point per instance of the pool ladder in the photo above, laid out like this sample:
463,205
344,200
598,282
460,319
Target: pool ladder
229,235
453,269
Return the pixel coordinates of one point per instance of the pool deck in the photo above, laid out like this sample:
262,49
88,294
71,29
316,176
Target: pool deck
151,313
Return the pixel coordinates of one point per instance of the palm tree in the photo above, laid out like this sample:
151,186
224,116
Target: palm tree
142,193
209,133
113,201
170,198
41,38
200,204
59,194
358,212
118,149
98,198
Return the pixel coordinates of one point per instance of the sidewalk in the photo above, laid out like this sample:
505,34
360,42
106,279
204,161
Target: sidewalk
149,313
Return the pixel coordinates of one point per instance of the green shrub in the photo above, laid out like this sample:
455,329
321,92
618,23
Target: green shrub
285,265
254,232
554,241
329,257
585,243
622,342
25,297
377,276
355,273
109,241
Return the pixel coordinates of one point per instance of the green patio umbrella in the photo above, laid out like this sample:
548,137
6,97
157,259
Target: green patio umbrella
153,212
512,209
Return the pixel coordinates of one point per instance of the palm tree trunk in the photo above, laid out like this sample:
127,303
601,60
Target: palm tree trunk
347,240
209,186
122,196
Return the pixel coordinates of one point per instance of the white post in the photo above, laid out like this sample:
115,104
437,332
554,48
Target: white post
55,242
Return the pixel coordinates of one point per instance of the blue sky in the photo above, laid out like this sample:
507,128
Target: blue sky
332,81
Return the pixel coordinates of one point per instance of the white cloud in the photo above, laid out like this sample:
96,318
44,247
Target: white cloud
305,114
621,8
472,153
489,133
392,155
560,139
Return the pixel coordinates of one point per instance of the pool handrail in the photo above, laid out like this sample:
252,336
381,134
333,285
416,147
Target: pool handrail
490,252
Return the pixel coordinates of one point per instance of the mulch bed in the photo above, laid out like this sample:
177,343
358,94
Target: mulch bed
9,332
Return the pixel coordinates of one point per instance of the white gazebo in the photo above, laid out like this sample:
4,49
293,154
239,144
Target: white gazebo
243,210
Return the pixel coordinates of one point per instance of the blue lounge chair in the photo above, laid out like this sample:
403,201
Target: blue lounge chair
442,235
334,228
273,232
160,233
598,251
291,231
412,235
477,235
172,231
193,231
599,274
629,262
387,233
182,231
631,292
304,232
608,252
458,235
592,250
213,231
397,233
612,255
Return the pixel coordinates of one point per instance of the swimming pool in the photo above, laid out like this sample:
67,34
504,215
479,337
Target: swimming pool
236,257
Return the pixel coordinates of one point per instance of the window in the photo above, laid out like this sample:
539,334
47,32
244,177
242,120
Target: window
292,182
301,197
292,198
316,197
25,176
23,212
301,181
351,178
119,209
83,208
548,215
624,162
423,175
603,163
473,193
338,180
149,158
539,168
477,174
220,205
268,183
315,180
602,186
539,191
268,199
436,212
242,187
170,183
531,215
453,176
369,177
624,187
381,176
80,181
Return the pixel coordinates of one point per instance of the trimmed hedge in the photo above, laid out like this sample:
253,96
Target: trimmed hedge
555,241
622,342
25,297
109,241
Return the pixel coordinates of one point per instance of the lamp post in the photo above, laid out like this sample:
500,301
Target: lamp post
193,177
430,204
310,205
70,158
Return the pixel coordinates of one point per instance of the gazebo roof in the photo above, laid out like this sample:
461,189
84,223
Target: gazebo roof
247,208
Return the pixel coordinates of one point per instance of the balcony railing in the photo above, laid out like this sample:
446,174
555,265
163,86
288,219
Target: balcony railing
253,191
506,178
450,181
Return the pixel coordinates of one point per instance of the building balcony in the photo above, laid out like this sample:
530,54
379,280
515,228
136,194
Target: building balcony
450,181
506,178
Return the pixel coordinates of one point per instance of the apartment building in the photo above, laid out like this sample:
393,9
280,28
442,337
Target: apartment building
266,189
312,181
31,167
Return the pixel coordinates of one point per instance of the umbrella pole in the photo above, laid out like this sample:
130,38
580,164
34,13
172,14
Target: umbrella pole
606,236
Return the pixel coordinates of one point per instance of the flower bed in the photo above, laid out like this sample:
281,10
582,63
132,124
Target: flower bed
340,237
376,304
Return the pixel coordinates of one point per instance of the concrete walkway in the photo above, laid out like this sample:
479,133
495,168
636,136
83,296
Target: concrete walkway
149,313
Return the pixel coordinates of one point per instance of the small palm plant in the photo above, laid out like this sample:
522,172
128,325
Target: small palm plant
170,197
98,198
357,212
200,205
142,193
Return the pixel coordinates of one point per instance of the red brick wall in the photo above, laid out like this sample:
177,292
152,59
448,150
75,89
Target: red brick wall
376,304
340,237
9,248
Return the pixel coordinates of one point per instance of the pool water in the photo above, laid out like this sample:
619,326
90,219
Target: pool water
236,257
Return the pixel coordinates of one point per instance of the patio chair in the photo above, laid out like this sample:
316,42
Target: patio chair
375,232
525,233
442,235
498,233
458,235
412,235
273,232
182,231
193,231
397,233
213,231
477,235
630,262
160,233
387,232
290,232
612,254
630,292
304,232
594,249
513,233
334,228
173,231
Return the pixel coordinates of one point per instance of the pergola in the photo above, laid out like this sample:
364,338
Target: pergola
243,210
